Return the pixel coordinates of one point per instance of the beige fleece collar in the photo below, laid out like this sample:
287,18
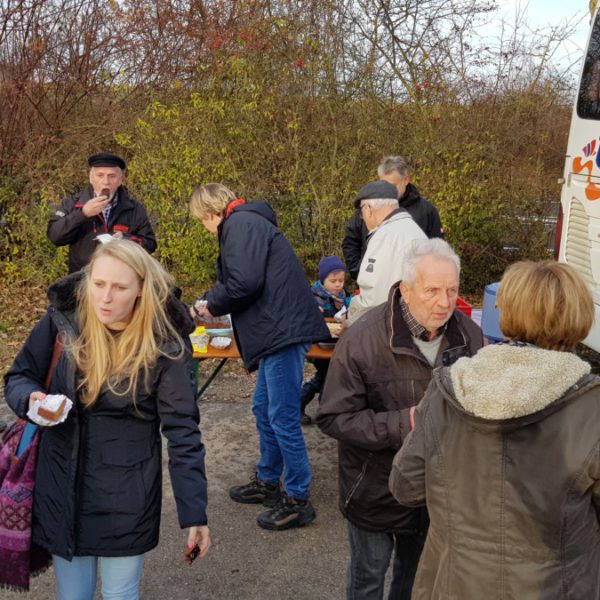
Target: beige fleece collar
503,381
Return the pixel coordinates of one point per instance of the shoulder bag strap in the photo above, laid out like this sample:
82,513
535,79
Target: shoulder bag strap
30,429
56,352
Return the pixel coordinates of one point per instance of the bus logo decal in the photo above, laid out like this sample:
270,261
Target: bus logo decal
592,191
590,149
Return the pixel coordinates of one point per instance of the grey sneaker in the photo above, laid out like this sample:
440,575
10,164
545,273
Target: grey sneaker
288,513
256,492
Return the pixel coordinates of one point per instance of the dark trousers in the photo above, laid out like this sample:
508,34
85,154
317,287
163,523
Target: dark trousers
314,385
370,555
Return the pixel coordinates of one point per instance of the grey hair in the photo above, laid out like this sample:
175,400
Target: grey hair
417,250
391,164
379,202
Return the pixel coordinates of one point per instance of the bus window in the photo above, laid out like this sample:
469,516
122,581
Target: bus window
588,100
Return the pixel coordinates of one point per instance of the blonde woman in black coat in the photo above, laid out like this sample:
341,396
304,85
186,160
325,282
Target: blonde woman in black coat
129,375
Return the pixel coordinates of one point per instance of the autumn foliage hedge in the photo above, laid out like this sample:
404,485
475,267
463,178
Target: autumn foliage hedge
285,104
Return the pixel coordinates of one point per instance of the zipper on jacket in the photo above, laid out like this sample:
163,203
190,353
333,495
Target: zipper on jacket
358,480
99,215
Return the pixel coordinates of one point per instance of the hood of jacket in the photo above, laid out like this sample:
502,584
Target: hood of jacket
262,208
63,293
504,381
63,297
410,196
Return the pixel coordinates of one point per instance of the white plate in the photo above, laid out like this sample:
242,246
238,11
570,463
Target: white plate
220,342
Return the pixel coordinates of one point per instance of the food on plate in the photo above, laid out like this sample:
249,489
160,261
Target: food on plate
334,329
51,407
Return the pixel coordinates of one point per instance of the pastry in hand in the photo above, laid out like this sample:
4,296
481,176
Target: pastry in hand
51,407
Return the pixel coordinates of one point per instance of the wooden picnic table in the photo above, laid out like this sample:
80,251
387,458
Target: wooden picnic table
232,352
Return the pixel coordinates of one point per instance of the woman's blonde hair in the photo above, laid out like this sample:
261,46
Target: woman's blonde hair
211,198
117,361
545,303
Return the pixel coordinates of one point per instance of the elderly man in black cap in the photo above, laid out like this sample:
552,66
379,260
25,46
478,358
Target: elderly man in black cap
103,207
394,170
391,229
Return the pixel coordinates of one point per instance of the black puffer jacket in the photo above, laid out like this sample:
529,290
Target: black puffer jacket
98,479
420,209
376,375
70,226
354,244
262,284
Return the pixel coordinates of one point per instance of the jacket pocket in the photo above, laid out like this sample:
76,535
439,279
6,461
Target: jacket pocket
356,483
119,480
130,467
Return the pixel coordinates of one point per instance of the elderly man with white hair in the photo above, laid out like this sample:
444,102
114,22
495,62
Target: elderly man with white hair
391,228
379,373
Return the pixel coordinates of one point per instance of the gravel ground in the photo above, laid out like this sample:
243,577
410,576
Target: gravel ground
246,562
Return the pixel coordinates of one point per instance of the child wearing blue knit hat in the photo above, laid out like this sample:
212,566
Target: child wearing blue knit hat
330,296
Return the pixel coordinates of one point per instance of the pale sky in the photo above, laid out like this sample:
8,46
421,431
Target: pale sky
547,13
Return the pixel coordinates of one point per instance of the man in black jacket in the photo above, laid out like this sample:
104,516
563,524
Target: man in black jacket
103,207
394,170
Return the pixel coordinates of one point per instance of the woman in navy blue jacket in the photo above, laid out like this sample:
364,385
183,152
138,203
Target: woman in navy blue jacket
275,319
129,374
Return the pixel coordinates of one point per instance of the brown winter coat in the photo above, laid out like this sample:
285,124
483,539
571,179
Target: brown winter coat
376,374
506,452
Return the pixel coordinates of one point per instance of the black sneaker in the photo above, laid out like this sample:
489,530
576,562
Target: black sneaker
288,513
256,492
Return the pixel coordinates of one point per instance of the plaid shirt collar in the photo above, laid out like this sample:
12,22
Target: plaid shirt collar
416,329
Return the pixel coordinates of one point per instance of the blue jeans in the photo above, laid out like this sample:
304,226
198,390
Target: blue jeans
370,554
76,579
276,406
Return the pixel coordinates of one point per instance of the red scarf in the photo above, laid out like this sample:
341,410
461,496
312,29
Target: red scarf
233,205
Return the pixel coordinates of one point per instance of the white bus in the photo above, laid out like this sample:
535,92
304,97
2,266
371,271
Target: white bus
578,226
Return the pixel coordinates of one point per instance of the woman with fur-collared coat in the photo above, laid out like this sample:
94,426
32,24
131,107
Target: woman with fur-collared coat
130,375
506,454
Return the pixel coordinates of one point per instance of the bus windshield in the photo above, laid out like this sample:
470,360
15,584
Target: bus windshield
588,100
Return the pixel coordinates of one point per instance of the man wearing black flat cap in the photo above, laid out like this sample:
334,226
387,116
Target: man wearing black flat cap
103,207
391,229
394,170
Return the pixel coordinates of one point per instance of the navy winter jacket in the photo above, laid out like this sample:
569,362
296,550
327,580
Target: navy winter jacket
99,473
262,285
